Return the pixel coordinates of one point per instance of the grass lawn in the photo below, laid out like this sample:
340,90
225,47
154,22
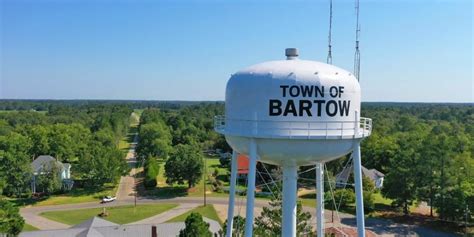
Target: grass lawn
119,215
79,196
28,227
207,211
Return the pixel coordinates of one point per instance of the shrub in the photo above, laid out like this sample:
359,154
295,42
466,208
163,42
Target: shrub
151,171
195,226
345,197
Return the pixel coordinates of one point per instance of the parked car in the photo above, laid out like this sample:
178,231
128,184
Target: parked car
107,199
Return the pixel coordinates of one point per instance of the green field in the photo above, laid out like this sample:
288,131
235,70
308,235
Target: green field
206,211
119,215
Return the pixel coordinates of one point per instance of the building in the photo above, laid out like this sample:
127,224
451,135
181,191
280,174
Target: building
44,163
373,174
98,227
242,167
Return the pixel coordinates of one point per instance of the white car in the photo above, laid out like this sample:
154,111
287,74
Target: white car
107,199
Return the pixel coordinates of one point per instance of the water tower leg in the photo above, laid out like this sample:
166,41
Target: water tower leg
251,188
320,199
359,193
233,179
290,177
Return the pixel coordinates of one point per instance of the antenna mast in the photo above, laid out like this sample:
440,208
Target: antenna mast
357,51
329,58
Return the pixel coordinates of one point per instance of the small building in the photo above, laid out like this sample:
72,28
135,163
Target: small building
373,174
242,167
44,163
98,227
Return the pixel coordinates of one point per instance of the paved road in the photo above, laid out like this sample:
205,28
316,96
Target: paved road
126,189
379,226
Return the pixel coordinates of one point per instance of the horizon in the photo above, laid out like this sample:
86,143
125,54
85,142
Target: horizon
219,101
186,51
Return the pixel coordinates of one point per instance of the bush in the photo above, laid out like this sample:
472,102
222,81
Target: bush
368,201
345,197
195,226
151,170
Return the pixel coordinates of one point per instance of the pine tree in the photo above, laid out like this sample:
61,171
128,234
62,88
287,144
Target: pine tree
269,222
195,227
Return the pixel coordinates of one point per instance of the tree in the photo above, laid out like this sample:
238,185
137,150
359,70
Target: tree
185,164
195,226
100,164
269,222
11,222
15,164
151,171
400,183
238,227
155,140
48,179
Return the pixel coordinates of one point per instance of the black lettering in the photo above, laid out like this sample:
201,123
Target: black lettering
307,91
319,90
290,108
275,105
305,105
341,90
328,105
331,90
292,91
284,90
344,107
319,104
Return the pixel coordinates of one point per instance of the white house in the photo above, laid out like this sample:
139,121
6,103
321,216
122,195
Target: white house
44,163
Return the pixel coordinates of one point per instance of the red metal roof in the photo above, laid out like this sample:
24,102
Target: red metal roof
242,164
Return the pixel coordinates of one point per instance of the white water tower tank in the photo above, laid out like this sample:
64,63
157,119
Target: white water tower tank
291,113
296,109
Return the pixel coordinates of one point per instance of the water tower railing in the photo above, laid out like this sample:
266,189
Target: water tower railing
294,129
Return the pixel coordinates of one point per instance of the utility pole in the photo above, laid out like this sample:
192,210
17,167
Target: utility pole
205,174
465,217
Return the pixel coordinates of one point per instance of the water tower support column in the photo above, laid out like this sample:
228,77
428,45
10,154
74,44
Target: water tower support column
358,189
233,179
320,199
251,188
290,177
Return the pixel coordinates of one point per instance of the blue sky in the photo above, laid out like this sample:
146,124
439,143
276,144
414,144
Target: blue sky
417,51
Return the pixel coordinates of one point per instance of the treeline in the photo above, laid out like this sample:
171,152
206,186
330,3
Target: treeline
46,105
85,136
426,152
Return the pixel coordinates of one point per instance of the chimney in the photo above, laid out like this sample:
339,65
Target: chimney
154,233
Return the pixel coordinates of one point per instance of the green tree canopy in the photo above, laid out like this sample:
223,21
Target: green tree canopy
11,222
195,226
185,164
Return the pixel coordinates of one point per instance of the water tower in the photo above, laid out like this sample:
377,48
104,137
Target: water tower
292,113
